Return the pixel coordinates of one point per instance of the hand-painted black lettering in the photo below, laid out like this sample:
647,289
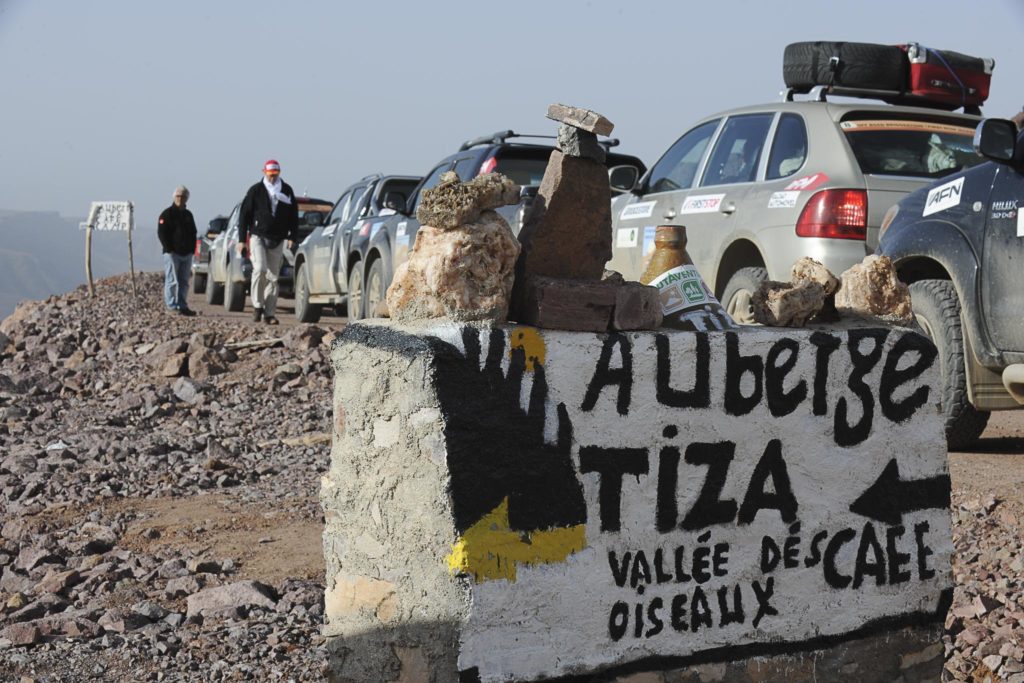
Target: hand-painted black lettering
618,621
892,378
660,575
826,344
612,464
720,559
678,619
697,397
641,574
680,564
780,401
791,552
708,509
770,554
700,612
815,556
865,565
863,363
897,560
605,375
620,570
638,620
736,366
924,572
832,575
667,512
652,616
782,499
730,615
764,596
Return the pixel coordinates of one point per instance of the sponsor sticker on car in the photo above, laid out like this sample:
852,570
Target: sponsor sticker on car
649,232
627,237
702,203
943,197
1006,208
808,182
638,210
783,200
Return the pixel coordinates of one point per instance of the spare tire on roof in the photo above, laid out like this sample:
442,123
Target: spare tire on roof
850,65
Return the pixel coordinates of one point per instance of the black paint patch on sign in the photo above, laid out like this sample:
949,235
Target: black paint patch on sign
495,448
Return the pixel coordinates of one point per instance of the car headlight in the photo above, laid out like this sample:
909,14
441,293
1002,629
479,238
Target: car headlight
887,220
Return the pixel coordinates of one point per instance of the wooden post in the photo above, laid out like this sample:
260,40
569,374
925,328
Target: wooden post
131,256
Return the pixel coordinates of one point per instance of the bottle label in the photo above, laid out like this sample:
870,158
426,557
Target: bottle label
682,288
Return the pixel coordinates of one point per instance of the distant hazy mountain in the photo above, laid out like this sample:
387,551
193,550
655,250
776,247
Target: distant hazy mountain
43,253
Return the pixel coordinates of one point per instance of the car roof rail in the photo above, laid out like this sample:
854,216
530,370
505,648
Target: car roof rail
503,135
370,177
818,94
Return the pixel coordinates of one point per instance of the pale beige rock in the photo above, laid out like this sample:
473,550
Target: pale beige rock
578,117
452,203
871,288
465,273
787,304
353,594
809,269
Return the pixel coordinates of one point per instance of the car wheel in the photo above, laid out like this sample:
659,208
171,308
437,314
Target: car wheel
355,292
214,291
738,292
305,312
937,310
198,283
234,296
375,288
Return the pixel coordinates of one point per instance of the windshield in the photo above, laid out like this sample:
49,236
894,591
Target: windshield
905,147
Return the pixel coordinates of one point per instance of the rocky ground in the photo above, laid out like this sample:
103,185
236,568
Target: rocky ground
158,490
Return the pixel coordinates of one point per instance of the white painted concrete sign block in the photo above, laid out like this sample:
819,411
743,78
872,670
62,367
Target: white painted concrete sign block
679,497
109,216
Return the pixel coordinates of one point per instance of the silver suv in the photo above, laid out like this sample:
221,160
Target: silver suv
759,187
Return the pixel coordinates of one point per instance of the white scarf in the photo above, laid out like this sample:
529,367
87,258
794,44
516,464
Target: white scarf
274,190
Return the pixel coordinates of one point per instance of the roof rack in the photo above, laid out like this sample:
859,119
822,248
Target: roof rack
818,93
503,135
370,177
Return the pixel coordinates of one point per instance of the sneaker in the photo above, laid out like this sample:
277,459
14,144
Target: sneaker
187,312
271,320
257,314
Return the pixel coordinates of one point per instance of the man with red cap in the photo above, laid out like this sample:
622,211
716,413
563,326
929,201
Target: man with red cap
269,216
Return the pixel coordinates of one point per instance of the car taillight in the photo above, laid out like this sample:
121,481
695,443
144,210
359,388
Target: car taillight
488,166
839,214
198,241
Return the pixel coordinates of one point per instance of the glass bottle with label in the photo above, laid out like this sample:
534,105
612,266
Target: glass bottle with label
686,301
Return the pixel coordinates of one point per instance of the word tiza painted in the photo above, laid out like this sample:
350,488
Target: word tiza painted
668,498
943,197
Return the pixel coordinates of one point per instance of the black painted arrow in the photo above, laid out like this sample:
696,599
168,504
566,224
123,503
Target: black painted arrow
889,497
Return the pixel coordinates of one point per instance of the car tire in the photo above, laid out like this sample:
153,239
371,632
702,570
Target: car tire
234,296
355,292
305,312
937,310
214,291
375,288
198,283
738,292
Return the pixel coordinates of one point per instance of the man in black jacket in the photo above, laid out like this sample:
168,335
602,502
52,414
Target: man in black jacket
269,216
177,233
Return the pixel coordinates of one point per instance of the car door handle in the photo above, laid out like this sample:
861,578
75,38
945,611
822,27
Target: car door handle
728,209
670,213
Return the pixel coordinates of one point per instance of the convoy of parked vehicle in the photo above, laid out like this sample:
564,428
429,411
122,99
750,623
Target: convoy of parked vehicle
864,153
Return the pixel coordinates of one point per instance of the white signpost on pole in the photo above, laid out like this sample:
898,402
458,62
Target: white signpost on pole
109,216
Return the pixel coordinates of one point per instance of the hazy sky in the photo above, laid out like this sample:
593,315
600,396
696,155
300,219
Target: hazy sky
124,99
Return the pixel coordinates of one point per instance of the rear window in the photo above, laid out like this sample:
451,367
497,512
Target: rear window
523,167
908,147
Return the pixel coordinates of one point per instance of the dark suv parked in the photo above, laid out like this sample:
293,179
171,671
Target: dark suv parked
389,242
959,244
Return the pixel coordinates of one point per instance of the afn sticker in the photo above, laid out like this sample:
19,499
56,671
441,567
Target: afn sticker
704,203
783,200
943,197
638,210
627,237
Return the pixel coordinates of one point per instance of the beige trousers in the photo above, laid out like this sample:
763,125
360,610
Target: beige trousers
266,265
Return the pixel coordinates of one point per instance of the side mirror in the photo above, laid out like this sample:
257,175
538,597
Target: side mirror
313,218
395,201
623,178
216,226
996,139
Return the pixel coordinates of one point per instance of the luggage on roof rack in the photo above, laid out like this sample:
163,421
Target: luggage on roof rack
898,74
847,65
